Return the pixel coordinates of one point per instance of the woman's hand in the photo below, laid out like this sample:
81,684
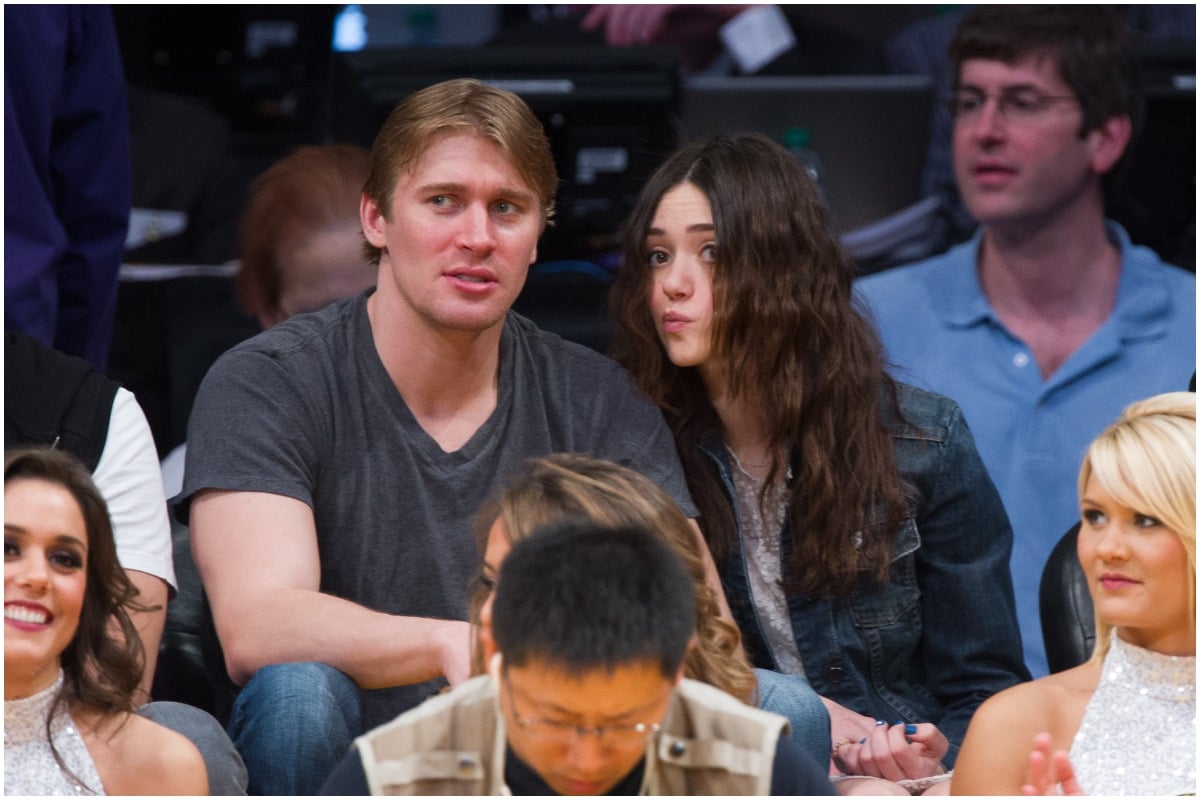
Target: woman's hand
1050,772
845,727
895,752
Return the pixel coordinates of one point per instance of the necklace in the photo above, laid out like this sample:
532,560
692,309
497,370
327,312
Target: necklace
741,465
744,464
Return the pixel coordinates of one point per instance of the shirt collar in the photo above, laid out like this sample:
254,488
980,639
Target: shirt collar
965,303
1143,299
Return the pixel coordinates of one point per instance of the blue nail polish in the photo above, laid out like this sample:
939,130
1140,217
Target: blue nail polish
897,722
862,740
910,729
879,722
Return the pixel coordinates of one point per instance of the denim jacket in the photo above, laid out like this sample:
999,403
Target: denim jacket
941,635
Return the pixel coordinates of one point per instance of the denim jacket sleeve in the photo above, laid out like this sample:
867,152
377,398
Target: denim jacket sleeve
971,646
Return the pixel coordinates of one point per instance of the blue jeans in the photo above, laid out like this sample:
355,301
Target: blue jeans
790,696
293,723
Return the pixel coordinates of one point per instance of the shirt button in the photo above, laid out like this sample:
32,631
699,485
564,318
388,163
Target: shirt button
677,749
1021,360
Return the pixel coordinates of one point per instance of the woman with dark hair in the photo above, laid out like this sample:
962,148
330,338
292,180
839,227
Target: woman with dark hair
72,657
859,539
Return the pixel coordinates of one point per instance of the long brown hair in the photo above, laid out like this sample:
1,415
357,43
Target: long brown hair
572,486
786,329
102,665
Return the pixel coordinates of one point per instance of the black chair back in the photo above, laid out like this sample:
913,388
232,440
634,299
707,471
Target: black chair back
1065,606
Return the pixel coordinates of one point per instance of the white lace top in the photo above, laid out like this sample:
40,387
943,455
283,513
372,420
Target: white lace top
29,765
1138,734
760,525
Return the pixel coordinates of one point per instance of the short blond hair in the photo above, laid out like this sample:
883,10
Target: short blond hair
463,105
1146,460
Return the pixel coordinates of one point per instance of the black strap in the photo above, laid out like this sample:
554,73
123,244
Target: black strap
52,399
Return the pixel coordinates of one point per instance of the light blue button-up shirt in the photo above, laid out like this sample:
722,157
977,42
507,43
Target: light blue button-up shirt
941,333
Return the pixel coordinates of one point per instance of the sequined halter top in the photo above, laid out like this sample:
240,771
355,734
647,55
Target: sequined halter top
1138,734
29,764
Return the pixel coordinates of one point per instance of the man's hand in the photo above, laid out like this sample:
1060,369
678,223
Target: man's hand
452,641
693,28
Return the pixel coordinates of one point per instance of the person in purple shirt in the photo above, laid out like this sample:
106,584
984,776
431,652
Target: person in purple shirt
66,176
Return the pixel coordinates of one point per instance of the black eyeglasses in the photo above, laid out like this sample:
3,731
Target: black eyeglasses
1013,104
565,733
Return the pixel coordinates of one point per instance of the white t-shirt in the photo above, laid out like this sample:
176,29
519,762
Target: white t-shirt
128,478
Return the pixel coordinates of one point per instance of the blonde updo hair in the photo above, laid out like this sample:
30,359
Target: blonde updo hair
1146,460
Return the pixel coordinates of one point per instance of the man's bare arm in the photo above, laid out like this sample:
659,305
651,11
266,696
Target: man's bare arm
153,592
258,560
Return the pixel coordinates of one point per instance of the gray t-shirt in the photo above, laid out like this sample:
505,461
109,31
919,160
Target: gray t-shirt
307,410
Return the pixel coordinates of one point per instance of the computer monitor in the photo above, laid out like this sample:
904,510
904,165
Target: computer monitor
870,131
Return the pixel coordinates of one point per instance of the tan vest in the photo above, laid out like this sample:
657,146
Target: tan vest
711,743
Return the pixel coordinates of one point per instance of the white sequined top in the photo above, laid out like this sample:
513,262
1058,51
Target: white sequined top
1138,734
29,765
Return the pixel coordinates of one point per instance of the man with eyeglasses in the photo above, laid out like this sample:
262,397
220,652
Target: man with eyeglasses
585,693
1049,320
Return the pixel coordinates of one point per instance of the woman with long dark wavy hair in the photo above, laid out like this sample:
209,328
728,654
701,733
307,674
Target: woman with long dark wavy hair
859,539
72,656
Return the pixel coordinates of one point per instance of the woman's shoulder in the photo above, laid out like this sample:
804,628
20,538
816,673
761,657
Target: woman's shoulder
994,758
136,756
913,411
1049,703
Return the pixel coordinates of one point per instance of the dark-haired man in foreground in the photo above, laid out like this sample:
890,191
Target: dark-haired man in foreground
585,691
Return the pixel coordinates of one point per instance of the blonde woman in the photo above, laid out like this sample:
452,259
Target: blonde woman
1125,721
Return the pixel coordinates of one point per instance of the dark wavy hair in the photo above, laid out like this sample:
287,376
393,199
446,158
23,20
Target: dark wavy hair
785,331
102,665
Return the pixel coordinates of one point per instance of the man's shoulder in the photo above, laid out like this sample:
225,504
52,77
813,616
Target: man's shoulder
1148,266
709,706
552,347
435,720
916,273
307,343
444,732
551,362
